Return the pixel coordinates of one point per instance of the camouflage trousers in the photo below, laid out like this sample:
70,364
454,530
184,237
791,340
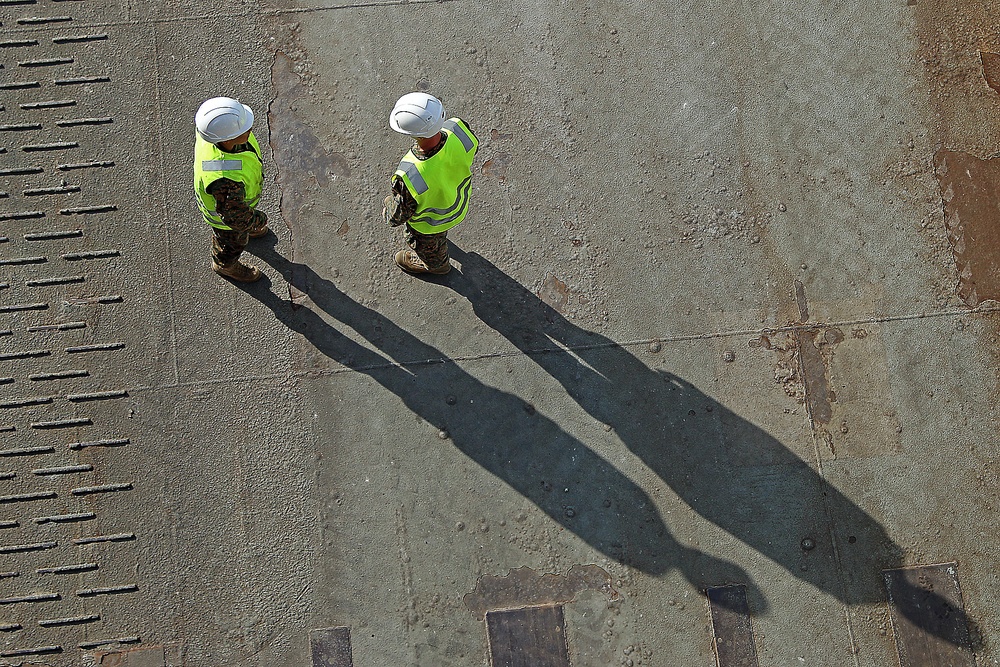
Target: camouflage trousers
432,249
229,244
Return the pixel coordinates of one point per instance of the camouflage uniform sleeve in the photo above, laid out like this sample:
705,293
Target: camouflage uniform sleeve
231,204
400,205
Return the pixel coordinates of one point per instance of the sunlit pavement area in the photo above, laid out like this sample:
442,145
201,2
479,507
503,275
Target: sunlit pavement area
713,380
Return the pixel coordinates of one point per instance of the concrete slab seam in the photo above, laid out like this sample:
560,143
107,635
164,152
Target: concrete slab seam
157,97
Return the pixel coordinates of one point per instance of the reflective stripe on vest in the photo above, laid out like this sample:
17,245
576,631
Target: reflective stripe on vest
457,209
418,182
221,165
460,132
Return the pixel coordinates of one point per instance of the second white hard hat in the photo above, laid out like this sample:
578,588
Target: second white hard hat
222,119
418,115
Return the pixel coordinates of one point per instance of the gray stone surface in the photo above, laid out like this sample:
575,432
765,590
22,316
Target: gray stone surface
705,308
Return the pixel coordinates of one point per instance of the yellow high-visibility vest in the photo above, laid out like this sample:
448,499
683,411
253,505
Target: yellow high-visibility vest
212,163
441,184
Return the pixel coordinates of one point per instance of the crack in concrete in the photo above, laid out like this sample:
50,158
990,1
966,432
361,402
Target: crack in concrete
302,163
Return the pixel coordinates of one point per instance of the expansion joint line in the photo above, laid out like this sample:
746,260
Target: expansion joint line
125,23
354,5
827,509
163,207
416,363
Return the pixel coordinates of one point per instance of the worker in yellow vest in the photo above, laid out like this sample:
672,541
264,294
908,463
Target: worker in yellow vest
432,185
228,179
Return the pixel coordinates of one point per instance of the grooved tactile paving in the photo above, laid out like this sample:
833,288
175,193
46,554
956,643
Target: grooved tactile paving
58,531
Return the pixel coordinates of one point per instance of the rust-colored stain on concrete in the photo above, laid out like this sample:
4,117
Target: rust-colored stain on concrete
956,39
814,347
555,293
167,655
303,162
970,188
525,587
497,166
991,69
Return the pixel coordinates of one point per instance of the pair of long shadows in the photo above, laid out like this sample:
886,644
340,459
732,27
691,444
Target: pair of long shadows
729,471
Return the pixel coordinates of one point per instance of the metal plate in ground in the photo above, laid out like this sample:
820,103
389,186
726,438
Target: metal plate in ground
331,647
529,637
732,632
928,616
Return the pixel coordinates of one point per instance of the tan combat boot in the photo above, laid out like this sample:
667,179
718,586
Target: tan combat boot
238,271
408,261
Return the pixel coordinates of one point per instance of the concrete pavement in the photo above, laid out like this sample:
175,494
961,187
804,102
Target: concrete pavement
720,321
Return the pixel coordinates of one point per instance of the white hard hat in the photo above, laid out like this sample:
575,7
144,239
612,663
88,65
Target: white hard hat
222,119
418,115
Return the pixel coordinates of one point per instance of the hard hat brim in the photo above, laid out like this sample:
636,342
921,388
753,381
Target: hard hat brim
250,117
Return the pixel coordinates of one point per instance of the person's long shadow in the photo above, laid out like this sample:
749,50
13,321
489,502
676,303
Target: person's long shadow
729,471
574,486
